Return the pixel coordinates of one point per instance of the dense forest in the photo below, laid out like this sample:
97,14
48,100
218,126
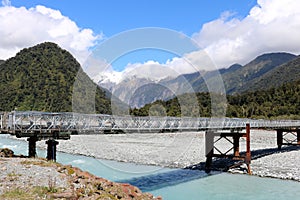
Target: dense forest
282,102
48,78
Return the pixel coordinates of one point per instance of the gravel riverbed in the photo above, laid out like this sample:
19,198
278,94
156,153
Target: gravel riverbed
183,149
26,178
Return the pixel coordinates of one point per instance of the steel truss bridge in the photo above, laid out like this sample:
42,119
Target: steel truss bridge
23,124
53,126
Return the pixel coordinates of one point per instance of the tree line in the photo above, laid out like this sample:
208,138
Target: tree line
276,103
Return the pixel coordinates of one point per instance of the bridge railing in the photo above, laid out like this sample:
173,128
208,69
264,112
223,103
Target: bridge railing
32,121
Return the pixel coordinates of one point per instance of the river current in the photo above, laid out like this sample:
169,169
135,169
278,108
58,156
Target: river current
173,184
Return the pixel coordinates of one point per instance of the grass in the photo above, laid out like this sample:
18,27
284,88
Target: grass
41,163
36,192
16,193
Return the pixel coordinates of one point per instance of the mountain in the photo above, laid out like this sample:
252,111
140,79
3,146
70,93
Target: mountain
48,78
148,93
244,76
281,102
285,73
237,76
127,88
257,74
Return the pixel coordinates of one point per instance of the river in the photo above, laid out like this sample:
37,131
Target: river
174,184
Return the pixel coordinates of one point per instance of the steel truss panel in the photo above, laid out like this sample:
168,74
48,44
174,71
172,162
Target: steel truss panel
45,122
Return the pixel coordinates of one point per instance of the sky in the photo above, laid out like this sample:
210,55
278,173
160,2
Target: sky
228,31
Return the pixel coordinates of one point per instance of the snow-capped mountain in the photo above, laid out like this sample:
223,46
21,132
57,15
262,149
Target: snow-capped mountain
138,89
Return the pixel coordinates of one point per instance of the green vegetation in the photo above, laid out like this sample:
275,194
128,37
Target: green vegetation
16,193
286,73
282,102
183,105
42,78
35,192
241,80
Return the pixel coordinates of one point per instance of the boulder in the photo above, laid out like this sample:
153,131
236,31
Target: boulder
5,152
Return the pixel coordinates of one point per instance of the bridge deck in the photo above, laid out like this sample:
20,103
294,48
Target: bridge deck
24,124
53,126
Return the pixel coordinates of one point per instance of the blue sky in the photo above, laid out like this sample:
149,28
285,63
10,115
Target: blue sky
114,16
229,32
110,17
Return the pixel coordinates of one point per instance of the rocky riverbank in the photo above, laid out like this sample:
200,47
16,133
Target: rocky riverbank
25,178
185,150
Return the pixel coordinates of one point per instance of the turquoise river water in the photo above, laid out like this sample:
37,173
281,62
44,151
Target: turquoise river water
174,184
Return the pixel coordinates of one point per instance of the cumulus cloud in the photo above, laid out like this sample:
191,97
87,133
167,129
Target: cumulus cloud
22,27
271,26
189,63
196,61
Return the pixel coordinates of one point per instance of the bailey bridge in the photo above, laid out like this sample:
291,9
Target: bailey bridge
54,126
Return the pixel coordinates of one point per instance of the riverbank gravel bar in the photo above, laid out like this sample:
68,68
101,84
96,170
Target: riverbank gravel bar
184,149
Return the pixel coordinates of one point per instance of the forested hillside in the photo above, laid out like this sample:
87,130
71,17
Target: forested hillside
288,72
42,78
281,102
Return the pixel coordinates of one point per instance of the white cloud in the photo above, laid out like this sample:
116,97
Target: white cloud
21,27
271,26
189,63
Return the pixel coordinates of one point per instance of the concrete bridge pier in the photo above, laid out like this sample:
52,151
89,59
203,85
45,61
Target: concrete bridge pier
51,149
32,146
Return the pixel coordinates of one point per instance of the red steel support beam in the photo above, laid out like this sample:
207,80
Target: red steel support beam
248,151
